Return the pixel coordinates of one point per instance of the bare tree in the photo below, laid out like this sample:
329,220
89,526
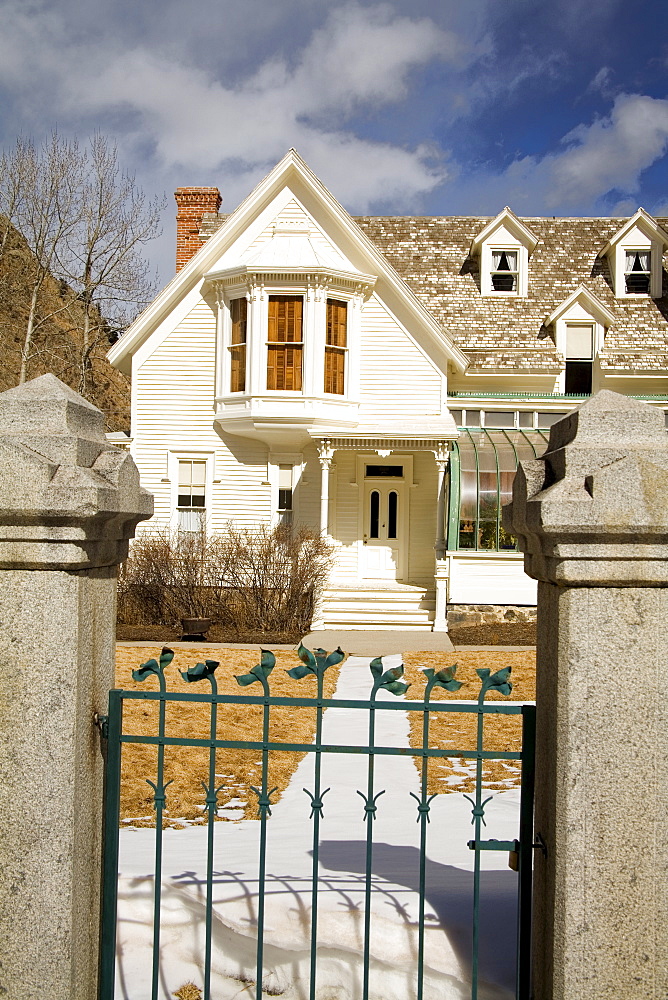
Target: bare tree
101,257
40,196
85,222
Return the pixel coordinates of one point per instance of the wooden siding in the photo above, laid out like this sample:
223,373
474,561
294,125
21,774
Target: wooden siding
422,513
396,379
174,409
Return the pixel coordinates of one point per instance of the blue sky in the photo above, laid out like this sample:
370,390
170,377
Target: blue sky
419,107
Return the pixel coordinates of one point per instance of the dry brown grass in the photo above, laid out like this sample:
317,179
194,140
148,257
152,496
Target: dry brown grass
458,732
187,767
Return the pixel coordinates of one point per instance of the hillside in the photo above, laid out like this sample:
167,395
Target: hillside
57,344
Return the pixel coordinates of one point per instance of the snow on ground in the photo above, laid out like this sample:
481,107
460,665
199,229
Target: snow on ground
394,938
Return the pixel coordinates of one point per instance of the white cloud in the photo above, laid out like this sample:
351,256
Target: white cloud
358,61
611,153
595,161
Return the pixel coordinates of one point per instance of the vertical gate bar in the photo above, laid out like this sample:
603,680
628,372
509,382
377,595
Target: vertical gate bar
112,801
212,797
316,809
525,881
369,813
159,800
424,817
477,819
264,808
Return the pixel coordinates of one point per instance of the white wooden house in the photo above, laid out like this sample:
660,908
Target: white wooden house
379,379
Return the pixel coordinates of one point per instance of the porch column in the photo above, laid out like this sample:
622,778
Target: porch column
325,453
592,521
442,456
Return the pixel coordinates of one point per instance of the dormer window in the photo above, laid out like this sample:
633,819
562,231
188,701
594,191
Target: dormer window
637,272
285,343
635,257
579,326
503,249
504,271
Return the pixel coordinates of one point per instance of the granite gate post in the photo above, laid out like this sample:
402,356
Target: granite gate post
68,505
592,519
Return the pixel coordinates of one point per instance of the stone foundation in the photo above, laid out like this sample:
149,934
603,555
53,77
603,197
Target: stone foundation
467,615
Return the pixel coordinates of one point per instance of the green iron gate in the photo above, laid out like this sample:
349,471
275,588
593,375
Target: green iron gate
315,664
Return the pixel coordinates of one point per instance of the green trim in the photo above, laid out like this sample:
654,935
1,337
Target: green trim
454,499
547,396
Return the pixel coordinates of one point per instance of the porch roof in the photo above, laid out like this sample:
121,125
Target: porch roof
412,435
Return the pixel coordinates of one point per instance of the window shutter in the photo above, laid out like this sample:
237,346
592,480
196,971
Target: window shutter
335,347
238,309
285,336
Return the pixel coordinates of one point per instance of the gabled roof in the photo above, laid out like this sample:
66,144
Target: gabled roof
342,229
590,302
644,221
432,254
507,220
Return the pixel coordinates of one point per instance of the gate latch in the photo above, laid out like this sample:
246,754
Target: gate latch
102,723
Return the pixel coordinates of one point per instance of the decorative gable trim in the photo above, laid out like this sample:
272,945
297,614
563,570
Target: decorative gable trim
645,223
507,220
292,170
588,301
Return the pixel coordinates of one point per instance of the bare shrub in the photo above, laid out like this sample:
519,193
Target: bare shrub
250,581
271,579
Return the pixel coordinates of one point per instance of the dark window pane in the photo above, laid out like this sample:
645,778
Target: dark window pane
374,512
467,534
503,282
394,471
578,378
392,515
637,284
285,499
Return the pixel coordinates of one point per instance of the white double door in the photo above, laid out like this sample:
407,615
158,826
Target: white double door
384,517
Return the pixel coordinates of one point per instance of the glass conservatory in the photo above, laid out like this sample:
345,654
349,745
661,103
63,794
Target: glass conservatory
483,463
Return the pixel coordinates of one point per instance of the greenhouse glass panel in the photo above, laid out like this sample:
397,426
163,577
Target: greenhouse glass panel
485,462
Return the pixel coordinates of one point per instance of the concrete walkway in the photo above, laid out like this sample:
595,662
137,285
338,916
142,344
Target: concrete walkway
380,643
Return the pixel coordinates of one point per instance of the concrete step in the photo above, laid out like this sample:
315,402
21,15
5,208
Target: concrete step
371,608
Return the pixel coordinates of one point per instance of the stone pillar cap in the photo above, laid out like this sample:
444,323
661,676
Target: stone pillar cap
592,510
68,499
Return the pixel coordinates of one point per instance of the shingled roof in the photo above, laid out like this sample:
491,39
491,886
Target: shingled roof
432,254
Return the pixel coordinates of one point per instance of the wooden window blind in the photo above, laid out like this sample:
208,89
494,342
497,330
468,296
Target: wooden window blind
238,309
285,346
336,346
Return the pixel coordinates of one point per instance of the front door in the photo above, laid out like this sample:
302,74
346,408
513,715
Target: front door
383,539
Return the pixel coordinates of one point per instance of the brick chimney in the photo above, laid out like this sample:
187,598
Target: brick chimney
193,203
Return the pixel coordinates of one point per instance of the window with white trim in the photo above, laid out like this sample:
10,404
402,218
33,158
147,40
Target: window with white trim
191,497
505,271
237,348
284,509
285,342
336,346
637,271
579,359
